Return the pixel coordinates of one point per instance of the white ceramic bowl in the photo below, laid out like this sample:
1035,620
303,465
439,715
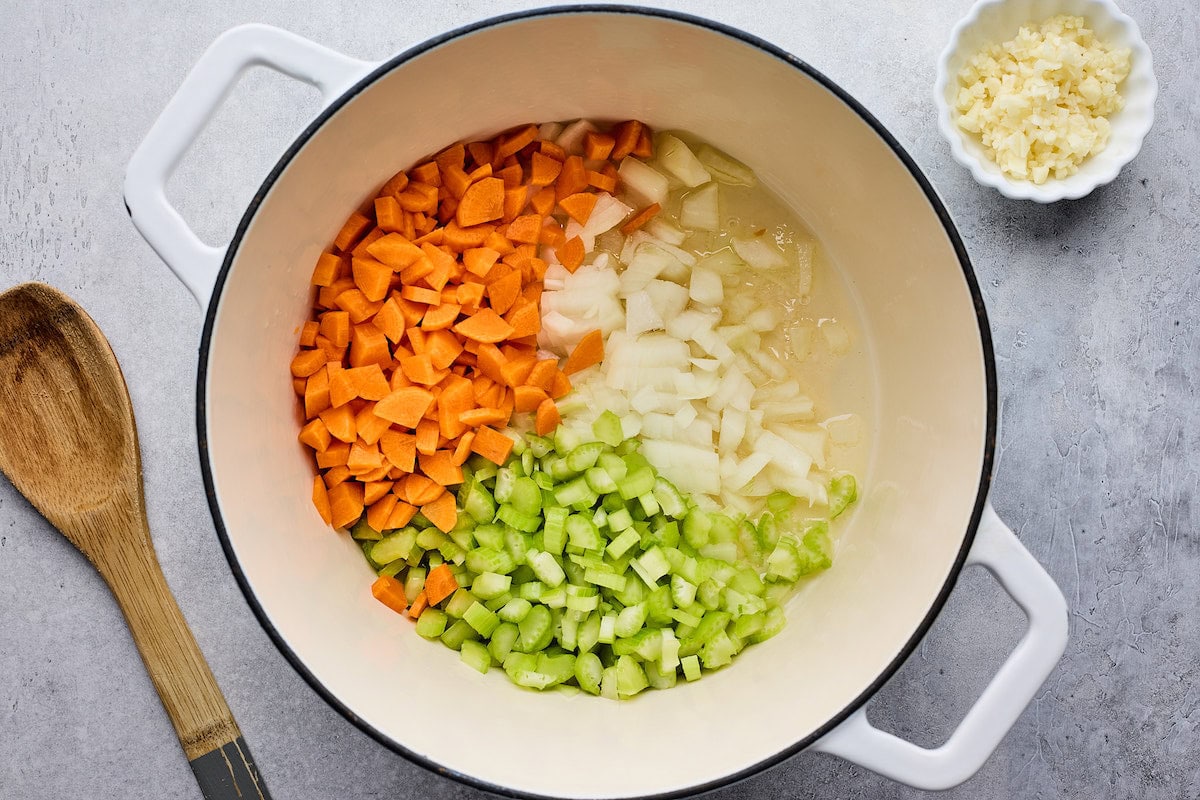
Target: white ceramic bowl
923,514
994,21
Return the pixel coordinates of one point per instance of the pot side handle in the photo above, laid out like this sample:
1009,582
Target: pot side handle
185,116
1006,696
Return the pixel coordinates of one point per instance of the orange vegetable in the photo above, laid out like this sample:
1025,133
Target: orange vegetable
482,416
390,592
453,401
547,418
571,253
483,201
368,346
503,292
405,406
542,374
492,445
561,385
509,145
334,456
315,435
526,228
340,423
441,316
462,451
402,514
400,449
390,320
351,231
578,206
528,398
370,427
517,369
327,269
605,183
372,493
543,170
597,146
443,348
345,503
525,320
485,326
589,351
440,468
439,584
627,135
335,326
419,604
428,431
367,382
419,369
641,218
442,512
320,498
380,510
307,362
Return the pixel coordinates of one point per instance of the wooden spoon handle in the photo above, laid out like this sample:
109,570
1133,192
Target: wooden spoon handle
189,693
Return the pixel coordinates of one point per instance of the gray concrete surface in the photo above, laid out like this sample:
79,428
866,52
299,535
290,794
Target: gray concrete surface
1095,312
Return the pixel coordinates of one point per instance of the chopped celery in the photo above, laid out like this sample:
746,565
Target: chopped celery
431,624
394,546
526,497
621,544
459,602
476,656
458,633
505,481
547,569
502,640
536,629
515,609
630,620
588,672
482,620
691,667
554,530
637,482
583,533
489,585
631,679
364,532
489,536
649,505
843,490
607,428
608,580
513,517
599,481
477,502
487,559
584,456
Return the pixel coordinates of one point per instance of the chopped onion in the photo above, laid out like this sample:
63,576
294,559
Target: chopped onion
700,210
644,184
724,168
571,139
706,287
678,159
641,315
659,228
759,253
836,336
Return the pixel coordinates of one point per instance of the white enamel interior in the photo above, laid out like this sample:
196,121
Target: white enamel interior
920,327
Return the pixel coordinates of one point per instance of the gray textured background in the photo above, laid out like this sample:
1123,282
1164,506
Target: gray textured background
1093,307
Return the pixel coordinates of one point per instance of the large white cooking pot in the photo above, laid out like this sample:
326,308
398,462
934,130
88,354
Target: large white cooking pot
924,512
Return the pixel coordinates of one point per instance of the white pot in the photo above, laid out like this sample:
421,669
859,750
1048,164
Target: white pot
924,514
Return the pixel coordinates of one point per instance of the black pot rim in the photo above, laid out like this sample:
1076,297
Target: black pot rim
772,50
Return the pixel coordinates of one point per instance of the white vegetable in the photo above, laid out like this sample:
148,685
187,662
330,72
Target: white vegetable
733,429
723,261
700,210
571,139
659,228
762,319
550,130
724,168
678,159
844,429
648,262
759,253
669,299
804,254
799,338
691,468
644,184
706,287
783,454
686,415
746,469
641,315
836,336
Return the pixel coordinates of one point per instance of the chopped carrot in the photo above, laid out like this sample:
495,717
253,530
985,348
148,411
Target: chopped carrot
511,175
442,512
395,250
298,385
462,451
528,398
549,148
605,183
588,352
363,458
561,385
439,584
645,145
542,374
395,184
419,369
426,173
390,320
389,214
597,146
390,592
443,348
334,456
543,170
440,468
345,503
419,294
340,422
368,382
405,406
641,218
524,318
369,426
368,345
570,254
351,231
336,475
357,304
422,490
400,449
547,417
402,514
320,498
419,604
375,475
485,326
469,296
372,277
453,401
515,198
307,362
511,144
327,269
427,436
503,292
572,180
483,201
492,445
578,206
416,339
626,135
482,416
335,326
315,435
380,510
373,492
440,317
517,369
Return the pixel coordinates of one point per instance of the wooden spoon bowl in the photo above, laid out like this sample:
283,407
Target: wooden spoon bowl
69,444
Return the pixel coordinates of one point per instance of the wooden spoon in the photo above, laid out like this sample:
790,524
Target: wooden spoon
68,443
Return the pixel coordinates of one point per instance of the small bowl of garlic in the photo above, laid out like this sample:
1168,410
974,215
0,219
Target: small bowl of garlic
1045,100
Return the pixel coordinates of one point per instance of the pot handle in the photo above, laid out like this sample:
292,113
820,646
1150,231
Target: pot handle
194,103
1010,691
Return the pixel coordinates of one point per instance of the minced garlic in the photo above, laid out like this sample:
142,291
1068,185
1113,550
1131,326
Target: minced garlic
1040,102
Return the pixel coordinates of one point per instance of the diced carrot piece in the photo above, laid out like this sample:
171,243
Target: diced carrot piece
572,180
307,362
439,584
482,202
376,474
420,294
597,146
561,385
442,512
400,449
315,435
421,489
525,229
389,214
372,492
542,201
455,398
456,180
605,183
440,317
443,347
524,319
469,296
427,436
515,197
327,269
459,239
500,243
645,145
483,416
542,374
390,320
372,277
528,398
419,604
353,229
405,406
298,385
641,218
368,345
570,254
418,197
335,326
327,296
308,333
320,498
578,206
549,148
395,184
340,422
357,304
428,173
508,145
395,250
363,458
490,361
368,382
626,135
543,170
379,510
553,235
547,417
462,451
517,369
390,592
416,339
492,445
479,260
316,393
345,503
503,292
402,514
485,326
369,426
481,152
335,475
589,351
334,456
440,467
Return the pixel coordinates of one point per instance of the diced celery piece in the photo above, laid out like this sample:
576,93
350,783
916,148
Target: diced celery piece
668,658
634,592
600,481
584,456
458,633
431,539
683,592
476,656
614,465
600,518
669,499
723,529
498,602
506,479
482,469
537,629
527,462
489,585
566,440
696,527
749,624
654,563
608,629
666,532
843,490
583,603
477,502
685,617
625,540
547,569
747,582
559,667
432,623
488,559
414,583
713,623
526,497
394,546
659,606
631,679
691,667
502,640
557,468
489,536
637,482
364,532
544,481
452,552
568,631
818,548
583,533
515,609
620,519
708,594
575,492
630,620
609,580
659,678
723,551
531,591
393,569
588,672
515,544
526,523
554,531
589,633
607,428
482,620
459,602
649,505
608,683
538,445
773,623
780,502
718,651
555,598
768,532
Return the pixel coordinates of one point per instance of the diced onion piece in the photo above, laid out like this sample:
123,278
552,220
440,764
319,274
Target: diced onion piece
759,253
659,228
837,338
690,468
571,138
641,315
669,299
706,287
761,320
700,210
724,261
644,184
804,255
733,429
844,429
678,159
725,169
